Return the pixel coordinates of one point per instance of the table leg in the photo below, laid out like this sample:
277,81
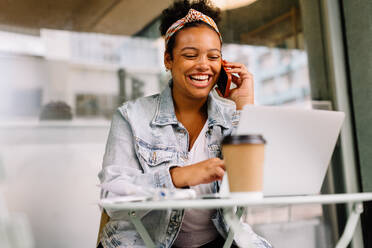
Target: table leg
141,229
351,224
234,222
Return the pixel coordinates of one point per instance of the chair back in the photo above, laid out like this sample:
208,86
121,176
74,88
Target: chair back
104,219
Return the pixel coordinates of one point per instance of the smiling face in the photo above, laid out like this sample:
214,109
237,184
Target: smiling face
196,62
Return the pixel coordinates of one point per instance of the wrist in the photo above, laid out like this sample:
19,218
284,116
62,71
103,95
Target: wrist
178,177
241,104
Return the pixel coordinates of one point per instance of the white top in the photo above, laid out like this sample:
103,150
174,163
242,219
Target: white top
197,227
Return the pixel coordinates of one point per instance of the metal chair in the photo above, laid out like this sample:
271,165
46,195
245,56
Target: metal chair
104,219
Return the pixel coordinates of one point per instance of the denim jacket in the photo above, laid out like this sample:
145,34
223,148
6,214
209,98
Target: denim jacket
145,135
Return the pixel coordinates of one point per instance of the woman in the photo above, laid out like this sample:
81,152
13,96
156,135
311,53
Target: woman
173,138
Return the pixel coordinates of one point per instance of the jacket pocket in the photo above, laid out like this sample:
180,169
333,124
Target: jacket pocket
155,155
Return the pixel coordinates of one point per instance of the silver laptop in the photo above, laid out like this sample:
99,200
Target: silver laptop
300,143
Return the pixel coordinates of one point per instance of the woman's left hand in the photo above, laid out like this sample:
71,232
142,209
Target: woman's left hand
244,92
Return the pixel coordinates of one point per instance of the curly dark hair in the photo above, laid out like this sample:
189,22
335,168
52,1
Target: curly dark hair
179,9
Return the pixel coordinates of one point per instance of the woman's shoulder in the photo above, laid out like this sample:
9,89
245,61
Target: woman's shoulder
224,104
222,110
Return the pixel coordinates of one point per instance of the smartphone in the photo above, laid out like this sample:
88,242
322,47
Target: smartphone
224,81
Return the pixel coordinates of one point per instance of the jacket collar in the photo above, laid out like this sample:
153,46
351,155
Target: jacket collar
165,113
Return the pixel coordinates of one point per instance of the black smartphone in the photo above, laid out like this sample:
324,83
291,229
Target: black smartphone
224,81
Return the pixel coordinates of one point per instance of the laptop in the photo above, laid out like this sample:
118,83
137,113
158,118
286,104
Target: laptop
300,143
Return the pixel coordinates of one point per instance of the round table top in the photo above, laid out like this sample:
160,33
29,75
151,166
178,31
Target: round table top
141,203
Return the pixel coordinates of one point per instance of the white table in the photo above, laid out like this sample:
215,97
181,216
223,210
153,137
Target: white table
227,204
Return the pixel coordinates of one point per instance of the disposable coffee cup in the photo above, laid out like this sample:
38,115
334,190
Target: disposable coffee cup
244,159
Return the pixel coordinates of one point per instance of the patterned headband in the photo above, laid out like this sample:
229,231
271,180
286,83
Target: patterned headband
192,16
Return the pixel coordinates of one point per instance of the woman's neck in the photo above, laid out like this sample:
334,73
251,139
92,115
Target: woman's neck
188,106
192,113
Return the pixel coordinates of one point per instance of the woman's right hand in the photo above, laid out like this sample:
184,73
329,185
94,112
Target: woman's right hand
203,172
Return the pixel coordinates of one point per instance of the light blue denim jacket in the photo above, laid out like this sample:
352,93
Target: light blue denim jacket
145,135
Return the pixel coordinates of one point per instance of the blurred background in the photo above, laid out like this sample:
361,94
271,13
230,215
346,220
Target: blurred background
65,66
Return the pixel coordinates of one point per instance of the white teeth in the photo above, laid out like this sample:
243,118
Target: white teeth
199,77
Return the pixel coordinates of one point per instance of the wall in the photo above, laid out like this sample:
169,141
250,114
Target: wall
51,176
358,34
21,81
358,24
